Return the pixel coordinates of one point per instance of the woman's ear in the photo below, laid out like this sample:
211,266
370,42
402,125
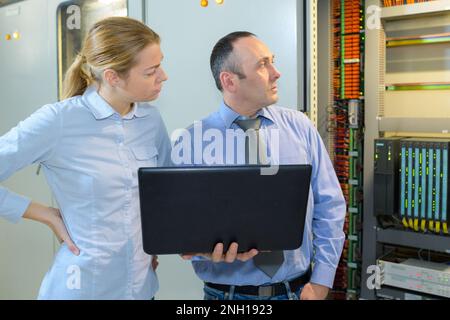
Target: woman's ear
111,77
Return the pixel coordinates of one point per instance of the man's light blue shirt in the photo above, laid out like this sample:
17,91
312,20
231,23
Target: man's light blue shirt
90,156
298,143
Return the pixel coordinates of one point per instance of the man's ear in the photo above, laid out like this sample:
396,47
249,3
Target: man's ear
228,81
111,77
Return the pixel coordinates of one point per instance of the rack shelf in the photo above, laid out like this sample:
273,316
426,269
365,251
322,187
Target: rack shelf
413,10
400,294
423,125
418,40
413,239
418,86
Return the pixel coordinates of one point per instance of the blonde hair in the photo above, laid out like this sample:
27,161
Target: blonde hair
112,43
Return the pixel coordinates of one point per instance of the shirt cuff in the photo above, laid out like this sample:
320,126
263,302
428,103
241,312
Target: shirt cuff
13,206
323,275
198,259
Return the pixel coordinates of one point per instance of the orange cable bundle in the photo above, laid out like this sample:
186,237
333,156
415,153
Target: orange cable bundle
393,3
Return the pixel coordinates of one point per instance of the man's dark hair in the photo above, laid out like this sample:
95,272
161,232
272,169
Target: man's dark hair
221,56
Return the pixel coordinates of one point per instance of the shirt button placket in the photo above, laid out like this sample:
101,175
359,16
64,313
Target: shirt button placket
125,165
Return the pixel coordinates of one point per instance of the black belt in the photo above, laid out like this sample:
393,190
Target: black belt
276,289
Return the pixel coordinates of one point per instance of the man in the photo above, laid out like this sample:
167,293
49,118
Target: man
244,71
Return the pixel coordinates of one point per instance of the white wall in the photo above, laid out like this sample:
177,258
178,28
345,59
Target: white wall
188,34
27,81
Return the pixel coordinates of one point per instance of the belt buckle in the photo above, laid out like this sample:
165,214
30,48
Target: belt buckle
265,291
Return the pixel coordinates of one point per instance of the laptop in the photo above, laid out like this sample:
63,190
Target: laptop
190,210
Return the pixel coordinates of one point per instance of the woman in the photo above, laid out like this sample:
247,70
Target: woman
91,146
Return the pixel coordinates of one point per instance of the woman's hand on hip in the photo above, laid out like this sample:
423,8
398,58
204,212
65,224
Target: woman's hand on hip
53,219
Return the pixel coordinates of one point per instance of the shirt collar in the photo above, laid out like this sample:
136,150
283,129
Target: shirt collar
228,115
102,110
139,111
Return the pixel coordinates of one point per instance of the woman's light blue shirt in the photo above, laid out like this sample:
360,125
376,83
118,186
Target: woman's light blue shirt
90,155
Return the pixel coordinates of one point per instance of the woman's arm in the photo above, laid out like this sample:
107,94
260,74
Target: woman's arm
34,140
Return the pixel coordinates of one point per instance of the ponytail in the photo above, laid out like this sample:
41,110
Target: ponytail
77,78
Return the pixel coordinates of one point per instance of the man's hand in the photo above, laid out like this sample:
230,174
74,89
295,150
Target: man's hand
313,291
219,256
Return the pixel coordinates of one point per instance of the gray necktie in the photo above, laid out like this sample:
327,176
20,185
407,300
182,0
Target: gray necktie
268,262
